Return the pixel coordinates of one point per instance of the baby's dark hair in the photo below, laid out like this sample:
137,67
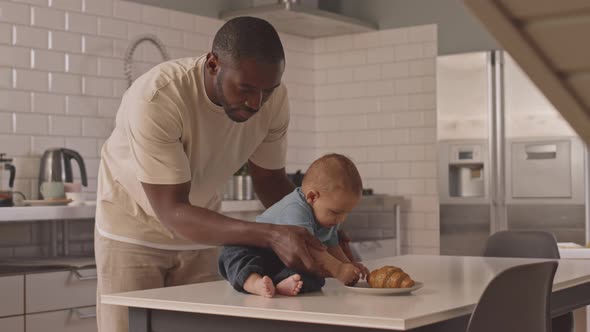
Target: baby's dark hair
333,172
248,38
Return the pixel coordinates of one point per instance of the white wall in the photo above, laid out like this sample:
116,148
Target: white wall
376,102
370,96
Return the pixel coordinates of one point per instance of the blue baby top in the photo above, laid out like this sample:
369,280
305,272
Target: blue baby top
294,210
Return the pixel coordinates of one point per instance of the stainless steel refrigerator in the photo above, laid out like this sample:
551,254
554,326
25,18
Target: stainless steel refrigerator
506,158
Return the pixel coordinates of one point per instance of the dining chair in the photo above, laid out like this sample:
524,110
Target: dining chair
516,300
529,244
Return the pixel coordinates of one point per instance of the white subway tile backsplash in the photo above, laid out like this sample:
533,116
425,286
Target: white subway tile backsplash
40,3
171,37
6,80
17,101
15,56
31,37
422,101
66,41
14,13
424,203
97,127
119,87
97,45
194,41
5,122
422,33
395,70
365,73
410,152
95,86
81,64
207,25
429,84
369,170
429,118
380,186
329,60
82,23
423,67
352,122
102,7
339,75
423,169
66,83
136,29
110,67
408,52
352,58
31,80
85,146
379,88
127,10
48,103
381,153
410,186
15,145
409,85
366,40
394,36
380,120
380,55
108,107
77,105
422,135
338,43
155,15
65,126
182,21
395,136
408,119
5,33
48,18
72,5
114,28
397,170
30,124
430,49
48,60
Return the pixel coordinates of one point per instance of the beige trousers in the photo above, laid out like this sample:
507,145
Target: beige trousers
124,267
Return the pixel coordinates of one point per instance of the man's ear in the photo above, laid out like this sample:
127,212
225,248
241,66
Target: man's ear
312,196
212,63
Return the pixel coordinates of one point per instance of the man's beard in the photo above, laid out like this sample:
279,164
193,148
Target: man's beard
231,112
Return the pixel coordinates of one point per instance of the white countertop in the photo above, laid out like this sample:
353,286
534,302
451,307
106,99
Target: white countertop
452,287
29,213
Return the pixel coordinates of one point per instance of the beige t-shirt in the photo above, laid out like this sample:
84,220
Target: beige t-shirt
168,132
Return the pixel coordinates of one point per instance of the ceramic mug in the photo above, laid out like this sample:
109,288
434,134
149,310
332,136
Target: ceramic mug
52,190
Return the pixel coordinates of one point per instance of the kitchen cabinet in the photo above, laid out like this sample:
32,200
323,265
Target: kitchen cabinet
13,324
56,300
12,287
60,290
70,320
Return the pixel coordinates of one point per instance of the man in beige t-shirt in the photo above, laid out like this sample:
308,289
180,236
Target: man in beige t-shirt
182,130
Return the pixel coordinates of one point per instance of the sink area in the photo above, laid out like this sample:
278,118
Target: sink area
44,264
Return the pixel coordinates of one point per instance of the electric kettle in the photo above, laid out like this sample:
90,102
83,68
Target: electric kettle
7,174
56,166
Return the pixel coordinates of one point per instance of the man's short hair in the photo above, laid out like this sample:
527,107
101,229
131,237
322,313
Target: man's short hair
248,38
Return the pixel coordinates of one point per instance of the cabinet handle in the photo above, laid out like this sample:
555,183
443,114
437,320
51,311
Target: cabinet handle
84,313
84,277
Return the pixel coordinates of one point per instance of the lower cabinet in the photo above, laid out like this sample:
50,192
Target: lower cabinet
12,324
70,320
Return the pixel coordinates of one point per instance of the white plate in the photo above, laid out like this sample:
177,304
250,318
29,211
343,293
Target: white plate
47,202
363,287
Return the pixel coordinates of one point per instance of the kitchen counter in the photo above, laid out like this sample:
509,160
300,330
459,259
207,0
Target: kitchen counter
27,266
29,213
452,287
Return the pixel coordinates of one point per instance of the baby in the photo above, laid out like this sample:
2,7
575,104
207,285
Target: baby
331,188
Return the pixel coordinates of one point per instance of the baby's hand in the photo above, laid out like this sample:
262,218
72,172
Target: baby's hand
364,271
348,274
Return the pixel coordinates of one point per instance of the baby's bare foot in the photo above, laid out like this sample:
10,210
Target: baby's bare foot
290,286
260,286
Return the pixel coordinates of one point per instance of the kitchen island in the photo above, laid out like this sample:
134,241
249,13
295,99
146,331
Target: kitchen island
452,287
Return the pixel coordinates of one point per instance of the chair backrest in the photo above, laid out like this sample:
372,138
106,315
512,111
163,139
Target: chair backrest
525,244
517,299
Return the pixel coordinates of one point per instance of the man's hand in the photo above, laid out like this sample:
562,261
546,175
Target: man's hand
292,244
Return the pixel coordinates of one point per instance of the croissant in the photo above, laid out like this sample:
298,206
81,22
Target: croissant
389,277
